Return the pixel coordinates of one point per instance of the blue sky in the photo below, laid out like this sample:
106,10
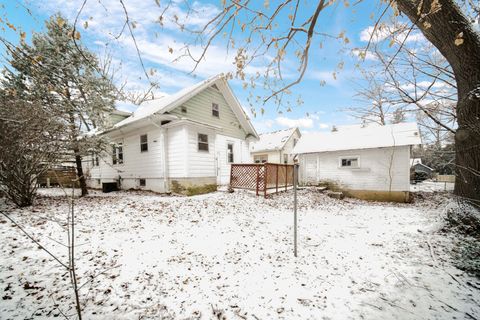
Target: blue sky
323,103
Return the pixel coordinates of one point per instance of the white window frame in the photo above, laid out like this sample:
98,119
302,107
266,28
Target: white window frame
215,109
340,160
202,142
144,143
261,156
117,151
229,143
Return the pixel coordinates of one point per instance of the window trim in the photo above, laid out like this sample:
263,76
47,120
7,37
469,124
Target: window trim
95,160
144,143
340,160
202,142
260,156
117,151
230,143
215,109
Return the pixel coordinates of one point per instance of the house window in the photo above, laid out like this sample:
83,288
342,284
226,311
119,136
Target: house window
215,110
202,142
260,158
142,182
349,162
95,160
230,153
143,143
295,140
285,158
117,154
184,109
98,181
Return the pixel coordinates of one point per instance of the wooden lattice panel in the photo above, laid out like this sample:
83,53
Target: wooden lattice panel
244,176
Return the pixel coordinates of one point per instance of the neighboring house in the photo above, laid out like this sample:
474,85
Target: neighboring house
275,147
184,140
368,162
421,171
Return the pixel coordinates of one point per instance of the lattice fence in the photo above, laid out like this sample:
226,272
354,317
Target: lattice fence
261,177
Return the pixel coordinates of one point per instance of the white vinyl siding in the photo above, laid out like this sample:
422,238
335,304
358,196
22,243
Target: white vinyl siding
380,169
136,164
200,163
177,151
200,109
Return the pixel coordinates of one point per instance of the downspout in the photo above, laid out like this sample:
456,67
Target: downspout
163,136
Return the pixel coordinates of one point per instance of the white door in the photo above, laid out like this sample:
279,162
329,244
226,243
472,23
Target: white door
311,169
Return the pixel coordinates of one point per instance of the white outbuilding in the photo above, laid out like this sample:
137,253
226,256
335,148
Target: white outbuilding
364,161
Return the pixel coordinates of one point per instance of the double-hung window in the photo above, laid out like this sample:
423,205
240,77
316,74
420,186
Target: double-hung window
215,110
143,143
202,142
230,157
117,154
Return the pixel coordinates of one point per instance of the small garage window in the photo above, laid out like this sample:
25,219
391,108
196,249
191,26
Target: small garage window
142,182
349,162
260,158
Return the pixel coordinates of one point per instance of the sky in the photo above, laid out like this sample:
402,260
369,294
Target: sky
324,95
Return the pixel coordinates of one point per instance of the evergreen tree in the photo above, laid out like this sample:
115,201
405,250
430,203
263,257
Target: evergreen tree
59,71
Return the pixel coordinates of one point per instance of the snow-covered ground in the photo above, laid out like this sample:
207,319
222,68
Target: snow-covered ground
432,186
145,256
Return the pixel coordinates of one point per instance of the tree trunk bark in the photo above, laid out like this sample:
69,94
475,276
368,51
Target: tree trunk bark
80,175
452,34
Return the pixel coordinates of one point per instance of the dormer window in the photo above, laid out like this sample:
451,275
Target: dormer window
215,110
183,109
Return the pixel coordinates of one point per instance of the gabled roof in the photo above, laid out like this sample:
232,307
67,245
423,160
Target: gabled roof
273,141
359,137
169,102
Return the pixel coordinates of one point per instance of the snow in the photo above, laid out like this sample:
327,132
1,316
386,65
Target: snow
161,105
153,257
359,137
432,186
272,141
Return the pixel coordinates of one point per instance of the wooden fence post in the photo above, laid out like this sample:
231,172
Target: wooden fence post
265,180
276,181
258,167
286,177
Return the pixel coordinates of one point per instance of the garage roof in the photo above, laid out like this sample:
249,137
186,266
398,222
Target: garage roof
359,137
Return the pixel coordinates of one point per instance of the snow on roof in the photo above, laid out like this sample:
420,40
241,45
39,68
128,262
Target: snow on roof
414,161
166,103
272,140
359,137
160,105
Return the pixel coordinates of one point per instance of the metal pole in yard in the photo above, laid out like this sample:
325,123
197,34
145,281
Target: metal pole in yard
295,174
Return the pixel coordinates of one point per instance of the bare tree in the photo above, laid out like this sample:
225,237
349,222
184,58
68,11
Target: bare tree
29,146
443,23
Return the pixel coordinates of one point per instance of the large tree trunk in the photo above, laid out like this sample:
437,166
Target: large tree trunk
442,29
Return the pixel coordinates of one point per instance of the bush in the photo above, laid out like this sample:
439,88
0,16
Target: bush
465,218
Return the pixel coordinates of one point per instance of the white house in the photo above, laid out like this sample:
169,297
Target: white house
184,140
369,162
275,147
